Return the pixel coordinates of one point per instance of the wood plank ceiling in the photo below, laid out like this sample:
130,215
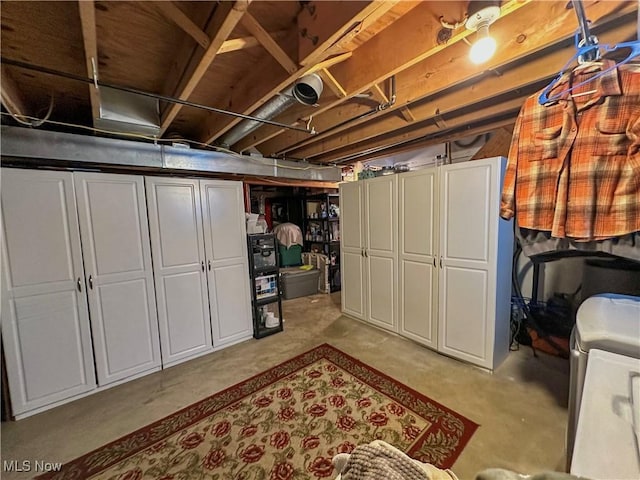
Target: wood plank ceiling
237,55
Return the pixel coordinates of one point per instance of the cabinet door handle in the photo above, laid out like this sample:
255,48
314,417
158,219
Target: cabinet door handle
366,254
362,252
90,282
434,262
209,264
79,284
440,262
202,264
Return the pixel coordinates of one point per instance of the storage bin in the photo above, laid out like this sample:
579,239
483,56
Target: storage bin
290,256
299,283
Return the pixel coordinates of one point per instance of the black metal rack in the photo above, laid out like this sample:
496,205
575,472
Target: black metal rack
265,283
321,231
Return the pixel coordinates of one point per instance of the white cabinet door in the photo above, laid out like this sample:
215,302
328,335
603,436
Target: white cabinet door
225,242
45,321
352,249
177,244
117,258
381,234
469,199
417,286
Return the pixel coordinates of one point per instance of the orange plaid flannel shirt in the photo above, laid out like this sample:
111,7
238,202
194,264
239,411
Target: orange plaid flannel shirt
574,166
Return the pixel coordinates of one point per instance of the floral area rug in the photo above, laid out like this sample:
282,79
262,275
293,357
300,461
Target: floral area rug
283,424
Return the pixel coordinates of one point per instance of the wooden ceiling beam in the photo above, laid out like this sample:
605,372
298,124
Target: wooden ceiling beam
235,44
330,62
253,26
321,24
416,32
487,115
489,86
485,127
173,13
87,11
403,44
256,89
225,18
407,115
330,81
518,38
12,98
378,94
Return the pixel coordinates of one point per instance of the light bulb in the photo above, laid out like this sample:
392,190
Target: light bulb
482,50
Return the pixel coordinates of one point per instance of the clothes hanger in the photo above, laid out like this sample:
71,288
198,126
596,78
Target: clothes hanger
588,50
585,51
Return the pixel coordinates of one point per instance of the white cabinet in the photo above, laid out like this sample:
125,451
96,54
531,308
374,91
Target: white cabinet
352,249
225,241
417,256
453,254
475,277
45,322
119,274
380,251
82,294
201,267
177,241
368,225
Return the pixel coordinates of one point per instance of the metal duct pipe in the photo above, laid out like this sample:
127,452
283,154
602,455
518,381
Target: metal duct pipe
306,90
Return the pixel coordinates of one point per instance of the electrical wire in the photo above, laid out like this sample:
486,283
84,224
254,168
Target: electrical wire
27,121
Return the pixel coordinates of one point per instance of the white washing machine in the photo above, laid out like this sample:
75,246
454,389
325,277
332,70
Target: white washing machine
608,322
606,443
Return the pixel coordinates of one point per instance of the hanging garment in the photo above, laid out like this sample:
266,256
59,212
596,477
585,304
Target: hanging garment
574,166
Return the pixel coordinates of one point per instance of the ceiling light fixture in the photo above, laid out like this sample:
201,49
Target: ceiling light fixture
481,15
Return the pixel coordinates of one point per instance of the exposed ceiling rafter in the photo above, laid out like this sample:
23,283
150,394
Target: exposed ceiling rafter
252,91
270,45
360,73
447,69
173,13
483,88
225,18
87,12
12,98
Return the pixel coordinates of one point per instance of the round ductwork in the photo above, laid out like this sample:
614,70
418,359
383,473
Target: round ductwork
308,89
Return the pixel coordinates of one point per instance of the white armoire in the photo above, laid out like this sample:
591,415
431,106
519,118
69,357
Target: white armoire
446,251
200,263
105,280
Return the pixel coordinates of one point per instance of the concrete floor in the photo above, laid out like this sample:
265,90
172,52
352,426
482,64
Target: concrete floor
521,408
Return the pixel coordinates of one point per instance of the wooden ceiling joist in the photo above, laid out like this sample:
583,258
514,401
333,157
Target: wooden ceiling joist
254,90
321,24
381,56
330,81
330,62
408,116
267,41
518,78
12,98
379,94
225,19
488,115
87,11
522,38
173,13
235,44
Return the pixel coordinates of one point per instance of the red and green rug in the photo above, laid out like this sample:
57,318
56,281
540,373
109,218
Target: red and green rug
283,424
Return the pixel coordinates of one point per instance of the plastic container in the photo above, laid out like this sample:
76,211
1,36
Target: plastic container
299,283
291,256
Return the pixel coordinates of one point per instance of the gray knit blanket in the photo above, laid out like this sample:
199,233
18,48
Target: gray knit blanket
375,462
